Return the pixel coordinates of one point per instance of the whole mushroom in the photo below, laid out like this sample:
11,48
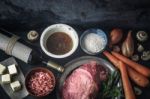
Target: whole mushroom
142,36
32,35
145,56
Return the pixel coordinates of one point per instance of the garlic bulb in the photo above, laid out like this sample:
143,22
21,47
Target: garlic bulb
128,46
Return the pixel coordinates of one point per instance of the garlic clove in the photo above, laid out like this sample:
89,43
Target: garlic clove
137,91
140,48
116,48
135,58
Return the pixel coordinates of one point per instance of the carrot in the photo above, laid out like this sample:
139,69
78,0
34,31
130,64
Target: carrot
129,93
111,58
135,76
138,67
138,78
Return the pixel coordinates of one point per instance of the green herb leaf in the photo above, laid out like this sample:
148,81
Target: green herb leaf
110,88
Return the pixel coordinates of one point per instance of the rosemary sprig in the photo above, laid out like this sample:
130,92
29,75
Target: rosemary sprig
110,88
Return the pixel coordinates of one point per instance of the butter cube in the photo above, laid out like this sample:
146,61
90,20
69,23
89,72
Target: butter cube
16,86
2,69
6,79
12,69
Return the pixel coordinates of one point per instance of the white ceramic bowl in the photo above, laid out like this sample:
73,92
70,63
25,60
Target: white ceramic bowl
59,28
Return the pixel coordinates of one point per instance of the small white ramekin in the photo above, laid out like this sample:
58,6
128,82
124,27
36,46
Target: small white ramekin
59,28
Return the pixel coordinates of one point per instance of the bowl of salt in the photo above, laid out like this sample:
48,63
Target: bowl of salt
93,41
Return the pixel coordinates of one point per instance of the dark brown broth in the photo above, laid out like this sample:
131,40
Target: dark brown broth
59,43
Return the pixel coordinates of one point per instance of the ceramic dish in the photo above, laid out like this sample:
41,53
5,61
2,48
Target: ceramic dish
20,94
59,28
99,33
36,70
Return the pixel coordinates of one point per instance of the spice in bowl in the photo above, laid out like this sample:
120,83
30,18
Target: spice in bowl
93,41
40,82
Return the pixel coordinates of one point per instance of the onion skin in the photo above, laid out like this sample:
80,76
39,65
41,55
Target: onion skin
128,46
115,36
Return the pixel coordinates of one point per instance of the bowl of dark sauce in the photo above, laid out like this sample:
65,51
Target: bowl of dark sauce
59,41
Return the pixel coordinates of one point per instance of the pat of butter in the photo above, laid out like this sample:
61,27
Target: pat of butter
2,69
16,85
12,69
6,79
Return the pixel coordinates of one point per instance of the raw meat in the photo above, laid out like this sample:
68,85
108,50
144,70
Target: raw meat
84,82
40,83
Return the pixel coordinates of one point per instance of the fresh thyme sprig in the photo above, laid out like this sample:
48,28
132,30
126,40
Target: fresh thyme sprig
110,89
